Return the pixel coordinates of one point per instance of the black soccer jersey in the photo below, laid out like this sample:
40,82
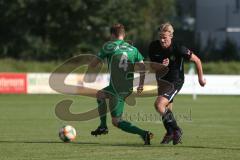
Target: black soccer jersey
176,54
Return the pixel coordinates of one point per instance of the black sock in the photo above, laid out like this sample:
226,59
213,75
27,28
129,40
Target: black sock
169,122
166,126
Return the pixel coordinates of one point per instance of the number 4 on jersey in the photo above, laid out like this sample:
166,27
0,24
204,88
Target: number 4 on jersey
124,61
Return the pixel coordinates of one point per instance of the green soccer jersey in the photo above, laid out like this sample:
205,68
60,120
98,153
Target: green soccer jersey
121,57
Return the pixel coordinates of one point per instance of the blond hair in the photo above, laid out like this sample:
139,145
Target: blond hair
166,27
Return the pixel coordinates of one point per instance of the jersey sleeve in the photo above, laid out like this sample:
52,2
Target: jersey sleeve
185,52
139,56
101,54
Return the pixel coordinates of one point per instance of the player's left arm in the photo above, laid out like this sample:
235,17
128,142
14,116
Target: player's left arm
141,67
198,64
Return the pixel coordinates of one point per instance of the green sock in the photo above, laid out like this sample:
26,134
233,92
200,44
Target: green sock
128,127
102,110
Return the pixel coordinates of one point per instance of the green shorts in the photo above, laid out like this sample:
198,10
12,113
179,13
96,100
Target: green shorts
116,102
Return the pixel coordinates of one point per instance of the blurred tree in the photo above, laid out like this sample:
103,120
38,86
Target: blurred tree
58,29
12,28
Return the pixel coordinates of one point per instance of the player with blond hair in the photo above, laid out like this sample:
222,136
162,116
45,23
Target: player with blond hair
171,54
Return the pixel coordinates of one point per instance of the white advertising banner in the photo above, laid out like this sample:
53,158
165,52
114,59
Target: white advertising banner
216,85
38,83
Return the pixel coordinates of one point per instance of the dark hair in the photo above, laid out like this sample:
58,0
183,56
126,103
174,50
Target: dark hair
117,29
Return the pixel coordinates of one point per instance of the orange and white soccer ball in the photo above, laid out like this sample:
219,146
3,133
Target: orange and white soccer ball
67,133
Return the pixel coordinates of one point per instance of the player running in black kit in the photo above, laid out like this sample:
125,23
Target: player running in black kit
171,54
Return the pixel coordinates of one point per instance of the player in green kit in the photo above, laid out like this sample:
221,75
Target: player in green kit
121,58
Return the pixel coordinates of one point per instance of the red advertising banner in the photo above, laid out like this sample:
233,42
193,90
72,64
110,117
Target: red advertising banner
13,83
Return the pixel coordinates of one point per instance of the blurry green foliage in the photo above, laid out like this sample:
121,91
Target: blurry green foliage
58,29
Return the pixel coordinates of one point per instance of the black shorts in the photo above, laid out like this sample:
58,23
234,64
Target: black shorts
169,90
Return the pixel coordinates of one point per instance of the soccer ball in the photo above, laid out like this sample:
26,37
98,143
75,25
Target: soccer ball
67,133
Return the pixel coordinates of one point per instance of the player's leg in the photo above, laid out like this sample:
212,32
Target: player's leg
170,106
161,104
168,137
168,119
102,107
177,134
102,95
117,106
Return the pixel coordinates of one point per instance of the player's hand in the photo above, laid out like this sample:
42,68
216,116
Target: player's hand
139,89
165,62
202,81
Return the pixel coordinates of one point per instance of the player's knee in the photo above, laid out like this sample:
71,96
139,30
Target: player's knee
160,106
170,106
99,95
157,104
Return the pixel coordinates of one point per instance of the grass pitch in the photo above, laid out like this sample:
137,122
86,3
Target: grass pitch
29,130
